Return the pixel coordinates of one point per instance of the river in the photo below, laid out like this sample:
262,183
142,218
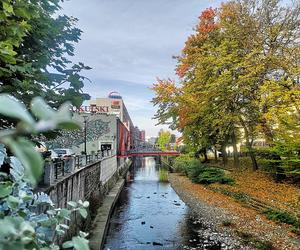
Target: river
150,215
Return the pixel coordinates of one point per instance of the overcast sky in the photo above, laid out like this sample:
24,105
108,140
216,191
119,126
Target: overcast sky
129,43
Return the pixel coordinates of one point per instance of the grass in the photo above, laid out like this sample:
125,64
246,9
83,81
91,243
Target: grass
227,223
249,239
163,175
239,196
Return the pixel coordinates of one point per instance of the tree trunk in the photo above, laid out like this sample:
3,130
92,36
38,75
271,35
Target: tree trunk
224,155
249,146
205,155
216,155
253,159
236,160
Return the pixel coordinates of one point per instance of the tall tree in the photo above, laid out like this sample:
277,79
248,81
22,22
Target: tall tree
35,46
232,72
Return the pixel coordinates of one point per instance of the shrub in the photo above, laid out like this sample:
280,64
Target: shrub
181,163
250,239
199,173
194,169
210,175
282,216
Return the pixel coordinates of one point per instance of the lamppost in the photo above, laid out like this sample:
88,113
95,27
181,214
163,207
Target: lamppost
85,120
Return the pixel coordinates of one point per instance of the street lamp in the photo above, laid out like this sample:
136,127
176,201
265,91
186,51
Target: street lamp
85,120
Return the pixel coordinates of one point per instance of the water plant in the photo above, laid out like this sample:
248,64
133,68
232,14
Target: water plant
163,175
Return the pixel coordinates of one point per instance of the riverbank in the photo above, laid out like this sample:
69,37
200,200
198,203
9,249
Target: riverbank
233,220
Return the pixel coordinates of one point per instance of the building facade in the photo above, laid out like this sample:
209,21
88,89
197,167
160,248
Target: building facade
106,125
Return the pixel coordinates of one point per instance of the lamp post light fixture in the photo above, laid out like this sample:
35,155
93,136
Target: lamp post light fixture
85,120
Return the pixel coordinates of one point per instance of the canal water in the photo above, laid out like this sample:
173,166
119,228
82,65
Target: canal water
150,215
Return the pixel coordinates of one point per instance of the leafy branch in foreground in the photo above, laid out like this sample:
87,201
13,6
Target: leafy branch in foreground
22,224
42,119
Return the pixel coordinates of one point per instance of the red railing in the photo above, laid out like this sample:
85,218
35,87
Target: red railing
149,153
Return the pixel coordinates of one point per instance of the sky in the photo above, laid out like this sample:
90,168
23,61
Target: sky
129,43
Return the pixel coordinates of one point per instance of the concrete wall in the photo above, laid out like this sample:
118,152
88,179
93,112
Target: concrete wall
101,129
90,183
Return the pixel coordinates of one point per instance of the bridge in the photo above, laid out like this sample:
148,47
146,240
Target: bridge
150,151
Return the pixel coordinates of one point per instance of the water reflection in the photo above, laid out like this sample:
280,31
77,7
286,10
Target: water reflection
149,214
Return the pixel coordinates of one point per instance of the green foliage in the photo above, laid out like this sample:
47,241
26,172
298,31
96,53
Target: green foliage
212,175
163,175
194,169
21,226
163,139
35,45
283,161
239,196
42,119
227,223
180,163
250,239
28,220
282,216
200,173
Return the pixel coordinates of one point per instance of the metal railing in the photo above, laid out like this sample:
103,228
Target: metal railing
70,164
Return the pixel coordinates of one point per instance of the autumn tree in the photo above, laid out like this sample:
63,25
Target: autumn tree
236,70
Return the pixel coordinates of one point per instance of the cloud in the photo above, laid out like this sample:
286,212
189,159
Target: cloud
128,43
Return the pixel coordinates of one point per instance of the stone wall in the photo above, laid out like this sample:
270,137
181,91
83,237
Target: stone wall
90,183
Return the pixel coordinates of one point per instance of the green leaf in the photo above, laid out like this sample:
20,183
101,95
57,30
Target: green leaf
32,161
10,107
80,243
41,109
13,202
2,154
7,7
17,169
83,212
64,226
5,188
64,213
69,125
72,203
86,204
67,244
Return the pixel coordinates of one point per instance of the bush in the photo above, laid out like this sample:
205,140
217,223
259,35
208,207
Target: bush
181,163
282,216
194,169
210,175
199,173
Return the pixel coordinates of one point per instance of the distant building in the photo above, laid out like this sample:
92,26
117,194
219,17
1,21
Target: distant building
108,126
152,140
143,135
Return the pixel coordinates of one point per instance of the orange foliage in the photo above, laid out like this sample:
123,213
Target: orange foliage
244,219
164,89
262,187
182,69
183,116
207,24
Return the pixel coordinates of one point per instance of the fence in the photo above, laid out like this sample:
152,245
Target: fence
58,168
